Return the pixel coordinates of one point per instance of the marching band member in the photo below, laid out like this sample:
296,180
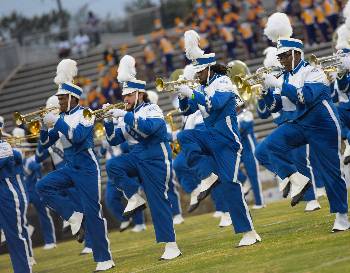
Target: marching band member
56,154
215,152
307,89
81,170
300,157
142,125
246,128
12,210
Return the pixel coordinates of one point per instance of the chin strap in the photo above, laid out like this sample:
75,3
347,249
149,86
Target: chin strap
208,76
69,101
136,101
293,60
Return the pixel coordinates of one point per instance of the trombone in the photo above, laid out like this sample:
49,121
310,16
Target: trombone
33,119
102,113
164,86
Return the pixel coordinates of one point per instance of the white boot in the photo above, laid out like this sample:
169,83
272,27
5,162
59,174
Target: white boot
225,220
30,230
321,192
3,238
206,185
32,261
171,251
103,266
139,228
258,206
75,222
284,186
249,238
135,202
341,222
194,199
312,206
346,154
246,187
124,225
217,214
178,219
65,226
299,185
86,250
49,246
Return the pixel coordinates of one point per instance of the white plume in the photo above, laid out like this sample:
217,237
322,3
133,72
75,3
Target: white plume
66,71
271,59
343,39
189,72
278,26
347,23
346,11
126,69
191,45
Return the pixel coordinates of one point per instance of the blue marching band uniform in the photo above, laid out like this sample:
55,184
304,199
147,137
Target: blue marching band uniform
217,137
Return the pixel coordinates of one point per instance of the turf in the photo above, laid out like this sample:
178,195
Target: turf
293,241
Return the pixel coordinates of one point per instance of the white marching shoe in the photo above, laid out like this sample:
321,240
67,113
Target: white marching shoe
206,185
194,203
2,238
134,203
32,261
86,250
139,228
346,154
225,220
299,185
49,246
178,219
312,206
171,251
249,238
284,186
103,266
124,225
217,214
321,192
30,230
246,187
341,222
76,221
258,206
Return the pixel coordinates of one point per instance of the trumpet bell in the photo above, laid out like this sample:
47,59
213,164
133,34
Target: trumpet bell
159,83
313,60
87,113
34,127
99,130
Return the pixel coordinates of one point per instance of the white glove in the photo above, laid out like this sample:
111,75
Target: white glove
50,119
345,62
105,105
185,91
271,81
116,113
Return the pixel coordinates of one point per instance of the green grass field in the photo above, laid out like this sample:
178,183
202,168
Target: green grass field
293,241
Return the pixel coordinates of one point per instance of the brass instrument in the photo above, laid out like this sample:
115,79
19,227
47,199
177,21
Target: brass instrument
164,86
102,113
329,63
33,119
250,85
99,131
16,141
169,117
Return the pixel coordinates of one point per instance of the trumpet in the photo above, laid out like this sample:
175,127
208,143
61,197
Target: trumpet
102,113
33,119
329,64
16,141
162,85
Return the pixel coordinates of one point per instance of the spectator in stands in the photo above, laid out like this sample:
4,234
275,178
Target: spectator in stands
64,47
321,21
81,44
95,98
167,52
93,28
246,32
110,56
331,9
158,31
149,58
227,34
308,19
123,49
113,92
